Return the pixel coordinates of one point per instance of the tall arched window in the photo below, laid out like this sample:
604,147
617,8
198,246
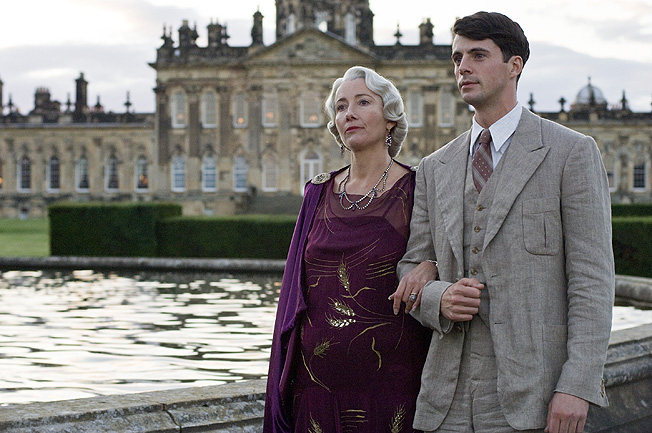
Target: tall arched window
178,110
240,110
209,110
350,29
270,173
640,177
111,175
612,172
178,174
240,170
141,176
310,166
208,174
415,109
53,175
446,109
24,174
311,108
270,110
82,183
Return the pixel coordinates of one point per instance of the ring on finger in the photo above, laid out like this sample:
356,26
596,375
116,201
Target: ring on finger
413,297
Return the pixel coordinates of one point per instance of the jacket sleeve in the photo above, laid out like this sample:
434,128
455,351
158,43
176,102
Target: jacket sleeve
586,217
420,247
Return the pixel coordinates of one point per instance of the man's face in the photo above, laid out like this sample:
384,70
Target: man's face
483,78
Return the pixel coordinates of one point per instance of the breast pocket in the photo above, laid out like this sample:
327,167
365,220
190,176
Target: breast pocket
542,225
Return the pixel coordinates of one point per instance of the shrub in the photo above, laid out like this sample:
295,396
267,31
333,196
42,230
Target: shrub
107,229
241,236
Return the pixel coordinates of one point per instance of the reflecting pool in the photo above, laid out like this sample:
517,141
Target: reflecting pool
81,334
74,334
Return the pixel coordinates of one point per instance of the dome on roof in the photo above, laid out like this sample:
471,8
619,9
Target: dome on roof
590,95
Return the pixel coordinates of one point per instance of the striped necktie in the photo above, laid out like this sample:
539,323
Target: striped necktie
482,162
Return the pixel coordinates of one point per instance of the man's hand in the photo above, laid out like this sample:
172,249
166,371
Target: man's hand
412,283
566,414
461,300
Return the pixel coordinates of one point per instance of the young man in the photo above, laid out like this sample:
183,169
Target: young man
521,229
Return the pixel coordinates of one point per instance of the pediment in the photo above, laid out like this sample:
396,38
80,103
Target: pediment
310,46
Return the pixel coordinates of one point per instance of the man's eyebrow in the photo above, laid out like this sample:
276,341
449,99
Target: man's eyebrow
472,50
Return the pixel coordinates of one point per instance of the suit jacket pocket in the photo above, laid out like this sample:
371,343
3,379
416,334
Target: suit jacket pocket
542,225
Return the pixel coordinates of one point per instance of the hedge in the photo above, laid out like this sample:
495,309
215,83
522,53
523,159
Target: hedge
632,244
632,209
107,229
241,236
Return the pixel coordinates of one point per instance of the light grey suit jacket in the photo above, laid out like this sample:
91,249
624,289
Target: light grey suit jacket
548,262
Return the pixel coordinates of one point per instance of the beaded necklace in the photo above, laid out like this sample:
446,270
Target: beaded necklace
373,192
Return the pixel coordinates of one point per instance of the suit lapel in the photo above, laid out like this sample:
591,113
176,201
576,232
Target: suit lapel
522,158
449,174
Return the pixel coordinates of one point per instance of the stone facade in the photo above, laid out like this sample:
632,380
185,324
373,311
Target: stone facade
241,129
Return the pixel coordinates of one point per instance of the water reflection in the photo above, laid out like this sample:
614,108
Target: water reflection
80,334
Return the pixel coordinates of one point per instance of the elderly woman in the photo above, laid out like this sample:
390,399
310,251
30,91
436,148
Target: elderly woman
343,359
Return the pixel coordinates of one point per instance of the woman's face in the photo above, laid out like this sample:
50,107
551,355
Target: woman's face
359,115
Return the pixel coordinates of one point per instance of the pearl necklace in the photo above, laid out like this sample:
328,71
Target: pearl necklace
373,192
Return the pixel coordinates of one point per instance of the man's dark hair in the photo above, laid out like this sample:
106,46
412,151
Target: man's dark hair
505,33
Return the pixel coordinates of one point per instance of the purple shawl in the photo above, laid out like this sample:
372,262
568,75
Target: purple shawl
291,305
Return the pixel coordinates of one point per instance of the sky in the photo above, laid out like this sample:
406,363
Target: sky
48,43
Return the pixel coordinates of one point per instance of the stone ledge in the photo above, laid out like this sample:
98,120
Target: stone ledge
234,407
143,263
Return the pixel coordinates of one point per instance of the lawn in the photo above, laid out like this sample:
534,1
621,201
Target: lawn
24,238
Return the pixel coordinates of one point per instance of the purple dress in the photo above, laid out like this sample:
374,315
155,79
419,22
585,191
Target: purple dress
359,365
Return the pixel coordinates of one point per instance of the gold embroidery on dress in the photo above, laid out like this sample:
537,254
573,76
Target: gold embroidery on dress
397,420
322,348
312,376
316,428
373,347
351,418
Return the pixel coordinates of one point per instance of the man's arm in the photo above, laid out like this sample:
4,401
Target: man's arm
586,218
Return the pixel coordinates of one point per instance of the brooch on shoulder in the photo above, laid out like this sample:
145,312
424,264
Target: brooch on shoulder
321,178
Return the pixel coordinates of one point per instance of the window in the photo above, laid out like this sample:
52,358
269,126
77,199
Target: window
208,174
240,169
349,29
81,175
240,109
610,167
24,174
446,109
321,21
111,175
639,177
178,174
310,109
53,175
415,109
178,110
142,179
310,166
270,110
209,110
270,173
291,25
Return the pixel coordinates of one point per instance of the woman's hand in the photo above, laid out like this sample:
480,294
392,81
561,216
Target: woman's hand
411,285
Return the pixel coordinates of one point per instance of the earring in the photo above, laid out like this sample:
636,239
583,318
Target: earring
388,139
341,149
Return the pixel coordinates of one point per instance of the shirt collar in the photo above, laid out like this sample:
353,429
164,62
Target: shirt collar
501,130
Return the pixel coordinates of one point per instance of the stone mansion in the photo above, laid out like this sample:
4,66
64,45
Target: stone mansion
241,129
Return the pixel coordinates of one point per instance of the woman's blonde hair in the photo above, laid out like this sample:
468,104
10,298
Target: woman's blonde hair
392,104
